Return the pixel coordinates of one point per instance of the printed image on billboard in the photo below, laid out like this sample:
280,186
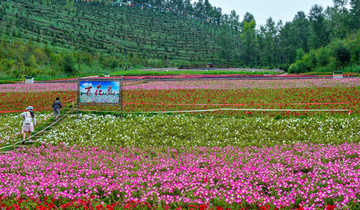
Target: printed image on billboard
99,92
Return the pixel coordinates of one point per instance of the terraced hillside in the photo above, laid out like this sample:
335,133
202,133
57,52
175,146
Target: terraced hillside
111,29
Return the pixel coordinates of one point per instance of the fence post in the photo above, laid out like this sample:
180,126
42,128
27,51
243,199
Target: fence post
122,95
78,95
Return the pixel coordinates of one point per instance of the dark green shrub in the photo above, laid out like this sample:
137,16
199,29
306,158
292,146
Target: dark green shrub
298,67
69,64
341,53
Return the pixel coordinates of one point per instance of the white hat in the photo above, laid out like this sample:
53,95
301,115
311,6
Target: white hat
30,108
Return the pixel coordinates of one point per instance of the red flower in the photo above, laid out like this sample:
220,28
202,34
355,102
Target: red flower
267,207
205,180
300,208
127,206
330,207
16,206
203,207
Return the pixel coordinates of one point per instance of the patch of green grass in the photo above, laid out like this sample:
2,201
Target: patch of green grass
188,72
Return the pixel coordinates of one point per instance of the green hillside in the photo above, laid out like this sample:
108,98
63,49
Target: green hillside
112,29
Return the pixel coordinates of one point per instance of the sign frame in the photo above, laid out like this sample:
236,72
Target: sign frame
97,79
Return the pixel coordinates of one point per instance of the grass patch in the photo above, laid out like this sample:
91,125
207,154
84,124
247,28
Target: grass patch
204,72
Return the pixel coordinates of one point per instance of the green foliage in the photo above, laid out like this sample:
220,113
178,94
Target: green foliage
323,56
311,60
298,67
69,64
320,35
306,63
338,55
341,53
210,72
248,38
114,31
352,69
299,54
225,43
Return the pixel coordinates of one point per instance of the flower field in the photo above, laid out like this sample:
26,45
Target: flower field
39,100
240,84
155,96
306,94
38,87
207,131
223,160
16,97
283,176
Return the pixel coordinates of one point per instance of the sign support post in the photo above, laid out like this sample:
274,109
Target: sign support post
78,98
122,95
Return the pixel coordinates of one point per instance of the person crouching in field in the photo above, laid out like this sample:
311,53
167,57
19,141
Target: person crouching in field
57,106
29,122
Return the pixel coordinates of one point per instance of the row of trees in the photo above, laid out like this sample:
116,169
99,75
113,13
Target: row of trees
200,8
277,44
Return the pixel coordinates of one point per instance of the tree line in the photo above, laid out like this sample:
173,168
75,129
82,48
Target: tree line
333,29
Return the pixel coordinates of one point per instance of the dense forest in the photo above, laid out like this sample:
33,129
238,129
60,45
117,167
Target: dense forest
43,37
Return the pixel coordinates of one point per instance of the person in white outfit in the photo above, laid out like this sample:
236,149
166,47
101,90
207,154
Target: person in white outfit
29,122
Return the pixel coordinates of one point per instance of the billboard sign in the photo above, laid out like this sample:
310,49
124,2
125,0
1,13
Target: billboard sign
100,91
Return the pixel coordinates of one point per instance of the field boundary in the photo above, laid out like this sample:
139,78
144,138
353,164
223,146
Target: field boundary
228,109
205,77
269,104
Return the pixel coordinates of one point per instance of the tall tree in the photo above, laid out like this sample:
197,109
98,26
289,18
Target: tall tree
355,14
300,31
208,8
217,13
319,31
248,17
234,18
226,43
200,8
179,4
270,34
159,3
260,37
278,47
248,43
339,18
188,6
287,43
225,18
